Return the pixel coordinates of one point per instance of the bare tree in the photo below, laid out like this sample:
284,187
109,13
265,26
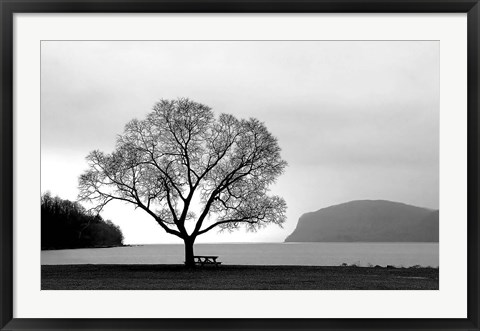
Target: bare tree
181,155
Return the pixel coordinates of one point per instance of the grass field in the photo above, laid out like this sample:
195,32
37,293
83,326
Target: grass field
235,277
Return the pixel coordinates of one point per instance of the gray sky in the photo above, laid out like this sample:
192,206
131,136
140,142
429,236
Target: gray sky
355,119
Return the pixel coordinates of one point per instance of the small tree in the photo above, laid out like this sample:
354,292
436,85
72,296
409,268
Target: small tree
179,156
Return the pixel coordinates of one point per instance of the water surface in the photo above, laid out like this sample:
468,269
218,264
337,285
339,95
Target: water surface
320,254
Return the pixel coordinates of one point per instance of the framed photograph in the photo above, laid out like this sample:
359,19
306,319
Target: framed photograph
244,165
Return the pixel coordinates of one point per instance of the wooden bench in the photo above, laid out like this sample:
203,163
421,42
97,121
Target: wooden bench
206,260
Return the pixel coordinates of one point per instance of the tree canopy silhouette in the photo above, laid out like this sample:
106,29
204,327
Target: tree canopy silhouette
181,155
67,224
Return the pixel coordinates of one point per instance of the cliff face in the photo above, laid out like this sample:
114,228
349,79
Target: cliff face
368,221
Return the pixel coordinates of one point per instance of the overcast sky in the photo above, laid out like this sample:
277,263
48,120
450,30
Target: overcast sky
355,119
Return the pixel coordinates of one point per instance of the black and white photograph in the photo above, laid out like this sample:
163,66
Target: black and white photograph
240,165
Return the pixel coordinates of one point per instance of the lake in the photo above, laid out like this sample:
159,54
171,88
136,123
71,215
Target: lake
317,254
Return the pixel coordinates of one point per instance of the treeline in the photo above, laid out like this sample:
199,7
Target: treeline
67,224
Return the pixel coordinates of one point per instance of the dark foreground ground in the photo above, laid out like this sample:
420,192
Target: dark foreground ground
235,277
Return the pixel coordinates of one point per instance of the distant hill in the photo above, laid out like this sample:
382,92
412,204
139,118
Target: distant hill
368,221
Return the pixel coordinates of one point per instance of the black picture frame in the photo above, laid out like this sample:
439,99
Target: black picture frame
10,7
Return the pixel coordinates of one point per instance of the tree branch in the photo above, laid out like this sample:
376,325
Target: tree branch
240,220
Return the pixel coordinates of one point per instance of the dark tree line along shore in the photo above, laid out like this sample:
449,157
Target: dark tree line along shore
66,224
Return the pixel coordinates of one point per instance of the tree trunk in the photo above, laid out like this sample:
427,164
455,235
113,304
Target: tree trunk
189,260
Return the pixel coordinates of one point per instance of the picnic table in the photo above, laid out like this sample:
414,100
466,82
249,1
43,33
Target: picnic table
206,260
